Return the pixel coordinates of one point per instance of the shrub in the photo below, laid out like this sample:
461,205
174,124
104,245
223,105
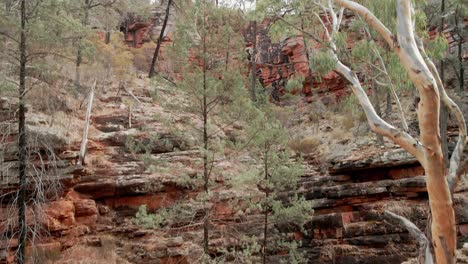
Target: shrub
148,220
305,145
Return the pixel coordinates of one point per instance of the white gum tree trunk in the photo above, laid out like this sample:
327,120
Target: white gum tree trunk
440,181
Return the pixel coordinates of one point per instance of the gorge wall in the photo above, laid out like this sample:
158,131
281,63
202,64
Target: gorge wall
92,215
96,207
276,62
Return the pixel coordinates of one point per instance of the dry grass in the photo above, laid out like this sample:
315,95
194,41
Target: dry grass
142,56
305,145
45,254
82,254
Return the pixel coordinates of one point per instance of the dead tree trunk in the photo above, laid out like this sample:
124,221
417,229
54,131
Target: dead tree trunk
84,141
158,46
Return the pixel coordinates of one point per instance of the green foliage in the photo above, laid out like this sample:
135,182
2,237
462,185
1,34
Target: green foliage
245,178
116,57
294,256
135,146
384,10
217,95
436,49
149,220
295,83
276,173
142,8
364,51
341,40
7,87
246,253
321,62
298,213
280,31
351,105
397,72
50,30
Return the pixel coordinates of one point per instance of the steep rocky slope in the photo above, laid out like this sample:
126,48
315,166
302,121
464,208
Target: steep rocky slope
155,163
144,151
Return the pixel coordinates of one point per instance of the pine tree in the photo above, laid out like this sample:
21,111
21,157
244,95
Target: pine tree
85,7
207,50
277,177
27,46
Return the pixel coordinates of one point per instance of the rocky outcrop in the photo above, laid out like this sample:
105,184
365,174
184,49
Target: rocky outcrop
138,31
127,167
277,62
348,226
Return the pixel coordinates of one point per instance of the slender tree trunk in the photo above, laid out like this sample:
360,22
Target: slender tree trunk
444,115
108,34
459,30
441,34
22,141
205,145
134,40
460,62
8,4
309,71
161,35
267,207
227,52
388,108
254,64
380,139
79,52
79,59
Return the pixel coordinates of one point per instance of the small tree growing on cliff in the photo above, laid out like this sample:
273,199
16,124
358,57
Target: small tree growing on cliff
277,178
204,48
441,178
84,14
27,46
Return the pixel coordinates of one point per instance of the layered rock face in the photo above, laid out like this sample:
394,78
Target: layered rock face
278,62
348,225
95,209
137,31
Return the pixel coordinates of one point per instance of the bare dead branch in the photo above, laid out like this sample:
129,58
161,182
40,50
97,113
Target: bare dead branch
86,126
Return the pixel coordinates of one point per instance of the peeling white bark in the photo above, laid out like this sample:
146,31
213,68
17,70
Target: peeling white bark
443,231
457,154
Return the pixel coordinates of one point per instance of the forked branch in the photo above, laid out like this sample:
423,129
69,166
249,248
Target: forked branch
376,123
